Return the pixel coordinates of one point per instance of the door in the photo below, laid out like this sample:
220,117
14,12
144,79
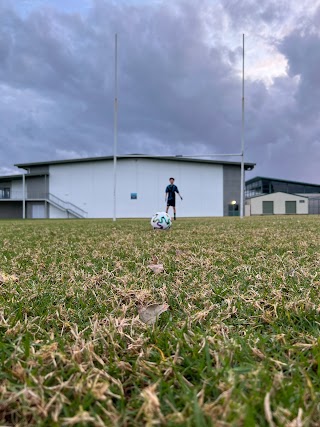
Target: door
38,211
267,207
291,207
233,209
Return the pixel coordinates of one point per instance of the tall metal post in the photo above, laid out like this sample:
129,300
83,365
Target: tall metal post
23,196
115,141
242,138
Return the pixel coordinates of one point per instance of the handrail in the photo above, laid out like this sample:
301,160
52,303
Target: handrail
68,206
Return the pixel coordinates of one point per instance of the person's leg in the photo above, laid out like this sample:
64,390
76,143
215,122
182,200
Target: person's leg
167,208
174,212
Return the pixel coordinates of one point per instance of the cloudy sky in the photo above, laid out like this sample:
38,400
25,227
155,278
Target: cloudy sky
179,80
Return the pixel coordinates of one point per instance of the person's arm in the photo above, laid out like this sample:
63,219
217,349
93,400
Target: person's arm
166,194
177,191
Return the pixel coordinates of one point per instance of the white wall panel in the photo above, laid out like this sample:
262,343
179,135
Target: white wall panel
56,213
16,189
89,185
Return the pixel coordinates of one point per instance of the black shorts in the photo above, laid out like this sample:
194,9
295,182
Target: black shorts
171,202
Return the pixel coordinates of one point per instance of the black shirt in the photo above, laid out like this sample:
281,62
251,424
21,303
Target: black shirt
172,190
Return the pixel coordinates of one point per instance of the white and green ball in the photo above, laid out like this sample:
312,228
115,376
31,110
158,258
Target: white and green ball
161,221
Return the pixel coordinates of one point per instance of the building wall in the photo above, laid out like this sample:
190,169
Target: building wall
37,187
36,209
231,186
247,209
10,209
314,205
16,189
56,213
279,203
5,184
309,195
89,186
39,169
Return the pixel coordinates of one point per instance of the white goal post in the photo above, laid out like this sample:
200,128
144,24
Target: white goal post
178,156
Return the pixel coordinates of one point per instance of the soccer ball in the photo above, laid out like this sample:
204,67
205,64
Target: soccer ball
161,221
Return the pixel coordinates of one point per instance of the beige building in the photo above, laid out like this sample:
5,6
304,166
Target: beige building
277,204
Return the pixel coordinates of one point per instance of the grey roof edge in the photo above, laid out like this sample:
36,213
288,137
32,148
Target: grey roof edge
249,181
277,192
102,158
19,175
14,176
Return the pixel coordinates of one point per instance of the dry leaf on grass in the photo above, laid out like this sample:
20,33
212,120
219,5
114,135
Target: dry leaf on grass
81,417
4,278
267,410
19,372
155,260
179,252
258,353
291,273
297,422
156,268
151,406
150,314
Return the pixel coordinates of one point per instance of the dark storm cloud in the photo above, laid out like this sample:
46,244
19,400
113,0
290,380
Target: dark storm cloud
302,126
253,13
303,54
179,87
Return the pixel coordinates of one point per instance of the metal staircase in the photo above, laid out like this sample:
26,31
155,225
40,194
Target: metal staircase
50,198
64,206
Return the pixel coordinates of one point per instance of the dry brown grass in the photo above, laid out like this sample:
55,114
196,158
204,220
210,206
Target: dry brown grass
239,345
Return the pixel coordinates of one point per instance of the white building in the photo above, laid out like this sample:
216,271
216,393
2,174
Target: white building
84,187
277,203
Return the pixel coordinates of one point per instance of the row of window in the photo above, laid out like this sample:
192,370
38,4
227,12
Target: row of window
266,187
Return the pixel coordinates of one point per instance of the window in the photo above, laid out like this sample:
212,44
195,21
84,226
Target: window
295,188
134,196
4,193
301,201
266,187
280,186
310,189
253,189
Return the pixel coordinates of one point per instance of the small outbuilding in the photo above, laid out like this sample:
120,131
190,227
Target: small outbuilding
277,203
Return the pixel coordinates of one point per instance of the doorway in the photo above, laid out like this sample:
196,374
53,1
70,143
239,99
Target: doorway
38,211
267,207
291,207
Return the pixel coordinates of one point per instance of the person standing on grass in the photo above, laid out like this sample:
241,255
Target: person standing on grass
170,196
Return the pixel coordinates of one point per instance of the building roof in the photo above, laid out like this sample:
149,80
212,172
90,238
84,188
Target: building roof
19,176
248,166
277,192
11,177
258,178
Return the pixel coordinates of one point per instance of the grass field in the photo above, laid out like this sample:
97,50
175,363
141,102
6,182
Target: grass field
239,345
